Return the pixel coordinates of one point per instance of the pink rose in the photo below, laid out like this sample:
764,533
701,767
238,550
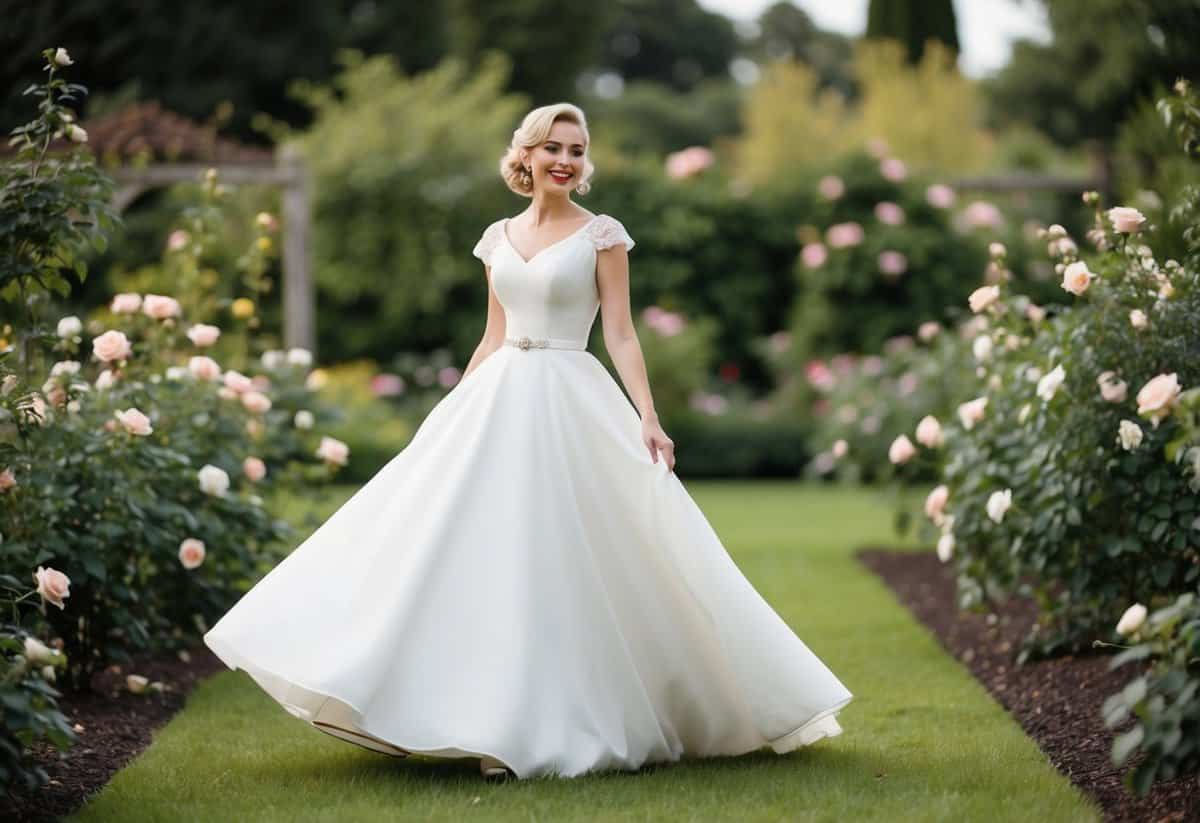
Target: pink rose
877,147
261,382
177,239
814,255
1158,397
928,330
1035,313
134,422
983,297
110,346
204,368
191,553
449,376
126,303
892,263
982,215
203,335
831,187
1126,219
7,479
929,432
256,402
689,161
1076,277
237,381
332,450
889,213
844,235
254,468
935,504
52,585
840,447
902,450
940,196
893,169
160,307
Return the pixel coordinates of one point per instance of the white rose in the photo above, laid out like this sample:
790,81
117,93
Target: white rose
299,357
62,58
136,683
1132,620
1111,389
982,347
213,480
1023,414
1048,385
1129,435
39,653
64,367
1138,319
273,358
69,326
998,504
76,134
303,419
176,372
945,547
929,432
203,334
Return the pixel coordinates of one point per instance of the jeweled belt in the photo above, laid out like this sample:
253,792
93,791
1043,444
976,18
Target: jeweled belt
527,343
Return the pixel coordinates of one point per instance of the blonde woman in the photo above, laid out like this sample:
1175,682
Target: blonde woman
528,582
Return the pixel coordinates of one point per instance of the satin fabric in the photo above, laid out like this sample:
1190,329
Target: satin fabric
522,581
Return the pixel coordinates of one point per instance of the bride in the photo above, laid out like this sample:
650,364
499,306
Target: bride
528,582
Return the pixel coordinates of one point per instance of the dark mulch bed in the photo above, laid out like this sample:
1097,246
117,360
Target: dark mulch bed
1056,701
114,726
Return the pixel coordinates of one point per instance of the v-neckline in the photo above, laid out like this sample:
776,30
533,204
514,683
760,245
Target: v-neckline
504,233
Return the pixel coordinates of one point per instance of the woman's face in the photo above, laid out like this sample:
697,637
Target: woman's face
557,164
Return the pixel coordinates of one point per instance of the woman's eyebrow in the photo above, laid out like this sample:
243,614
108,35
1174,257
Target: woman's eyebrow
573,145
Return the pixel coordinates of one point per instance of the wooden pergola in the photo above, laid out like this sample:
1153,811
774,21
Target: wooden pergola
180,151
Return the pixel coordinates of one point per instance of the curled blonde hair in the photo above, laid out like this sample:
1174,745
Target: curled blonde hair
532,132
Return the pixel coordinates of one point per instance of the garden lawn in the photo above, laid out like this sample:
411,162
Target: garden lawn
922,741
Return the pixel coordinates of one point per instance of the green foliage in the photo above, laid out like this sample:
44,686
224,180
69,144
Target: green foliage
1165,701
53,208
29,710
913,23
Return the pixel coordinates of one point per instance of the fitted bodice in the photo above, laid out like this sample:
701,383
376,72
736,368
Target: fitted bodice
552,294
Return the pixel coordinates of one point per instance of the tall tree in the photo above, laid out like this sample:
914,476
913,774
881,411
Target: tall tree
913,22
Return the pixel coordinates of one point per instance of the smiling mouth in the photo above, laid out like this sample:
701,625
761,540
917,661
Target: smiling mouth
561,177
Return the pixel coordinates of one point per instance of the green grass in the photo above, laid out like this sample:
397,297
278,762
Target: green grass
922,741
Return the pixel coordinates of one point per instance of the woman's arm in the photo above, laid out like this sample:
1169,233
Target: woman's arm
620,338
493,332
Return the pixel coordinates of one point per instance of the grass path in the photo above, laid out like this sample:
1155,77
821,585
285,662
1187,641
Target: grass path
923,741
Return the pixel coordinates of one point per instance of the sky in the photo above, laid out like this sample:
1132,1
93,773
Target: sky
986,28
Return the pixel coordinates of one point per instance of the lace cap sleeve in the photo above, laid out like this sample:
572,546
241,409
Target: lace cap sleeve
607,232
489,241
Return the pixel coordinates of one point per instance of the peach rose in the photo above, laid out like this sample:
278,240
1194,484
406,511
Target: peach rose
256,402
929,432
7,479
136,683
332,450
254,468
126,303
1126,219
160,307
202,334
928,330
111,346
134,422
935,504
191,553
1138,319
52,585
901,450
204,368
983,297
840,447
1076,278
1158,397
972,412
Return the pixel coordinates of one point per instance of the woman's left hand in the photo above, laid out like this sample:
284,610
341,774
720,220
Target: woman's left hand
656,440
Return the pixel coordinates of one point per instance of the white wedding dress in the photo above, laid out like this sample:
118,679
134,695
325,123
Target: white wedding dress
521,581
